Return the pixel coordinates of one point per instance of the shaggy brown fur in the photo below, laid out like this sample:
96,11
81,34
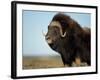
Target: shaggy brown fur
76,43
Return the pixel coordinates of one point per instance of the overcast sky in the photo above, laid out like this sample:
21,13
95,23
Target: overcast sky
34,22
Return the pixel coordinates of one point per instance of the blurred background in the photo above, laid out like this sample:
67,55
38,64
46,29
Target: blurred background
34,22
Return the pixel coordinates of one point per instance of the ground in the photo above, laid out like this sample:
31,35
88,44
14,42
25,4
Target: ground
42,62
38,62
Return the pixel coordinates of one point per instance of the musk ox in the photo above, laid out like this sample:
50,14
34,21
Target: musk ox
69,39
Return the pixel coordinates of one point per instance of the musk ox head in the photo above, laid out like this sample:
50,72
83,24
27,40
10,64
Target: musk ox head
62,36
54,34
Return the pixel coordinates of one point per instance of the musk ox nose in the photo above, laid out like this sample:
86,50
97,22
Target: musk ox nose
48,39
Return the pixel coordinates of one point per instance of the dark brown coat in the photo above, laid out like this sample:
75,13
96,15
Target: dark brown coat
76,43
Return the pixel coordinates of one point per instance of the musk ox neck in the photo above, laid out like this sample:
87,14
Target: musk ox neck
67,49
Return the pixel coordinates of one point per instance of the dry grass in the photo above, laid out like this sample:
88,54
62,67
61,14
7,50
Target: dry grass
34,62
42,62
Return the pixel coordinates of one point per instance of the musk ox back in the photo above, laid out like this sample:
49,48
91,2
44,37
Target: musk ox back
69,39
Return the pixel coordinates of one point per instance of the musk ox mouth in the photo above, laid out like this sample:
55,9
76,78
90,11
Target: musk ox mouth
51,43
53,46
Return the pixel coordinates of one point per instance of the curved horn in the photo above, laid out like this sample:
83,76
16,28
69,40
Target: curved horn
43,33
62,35
61,32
